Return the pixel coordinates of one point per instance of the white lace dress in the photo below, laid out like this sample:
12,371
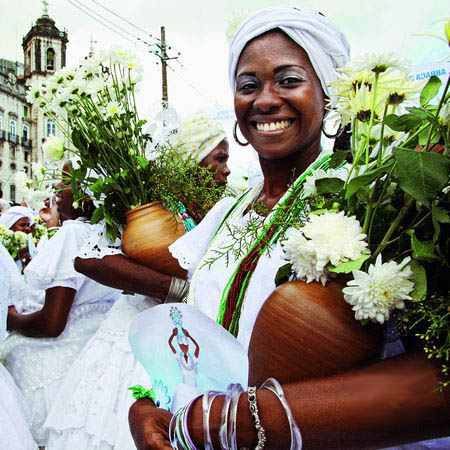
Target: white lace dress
38,365
90,410
14,414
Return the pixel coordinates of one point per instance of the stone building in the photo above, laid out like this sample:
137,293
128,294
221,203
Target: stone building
24,128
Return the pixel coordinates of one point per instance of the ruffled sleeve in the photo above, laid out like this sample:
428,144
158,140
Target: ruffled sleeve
190,248
98,244
53,265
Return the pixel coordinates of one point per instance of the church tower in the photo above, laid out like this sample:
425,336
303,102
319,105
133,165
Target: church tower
44,48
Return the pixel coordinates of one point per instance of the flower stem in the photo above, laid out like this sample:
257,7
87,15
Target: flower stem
393,227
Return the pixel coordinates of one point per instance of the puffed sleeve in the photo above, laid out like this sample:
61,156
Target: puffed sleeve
53,265
190,248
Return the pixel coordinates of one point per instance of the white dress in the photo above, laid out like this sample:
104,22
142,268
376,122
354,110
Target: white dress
38,365
90,410
14,414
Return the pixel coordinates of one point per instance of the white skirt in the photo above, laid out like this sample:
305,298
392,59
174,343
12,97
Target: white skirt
38,365
14,415
90,410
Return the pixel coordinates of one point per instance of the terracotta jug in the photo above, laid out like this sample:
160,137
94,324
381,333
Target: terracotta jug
149,231
307,331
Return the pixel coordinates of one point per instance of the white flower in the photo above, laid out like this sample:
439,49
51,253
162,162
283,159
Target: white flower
21,179
113,109
76,204
53,148
384,288
96,85
62,97
330,238
336,238
300,253
77,86
35,199
379,63
389,136
35,92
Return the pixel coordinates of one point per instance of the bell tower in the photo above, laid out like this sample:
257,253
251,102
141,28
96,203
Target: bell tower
44,47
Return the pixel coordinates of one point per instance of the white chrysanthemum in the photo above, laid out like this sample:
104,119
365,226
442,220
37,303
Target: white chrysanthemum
35,198
113,109
389,136
35,92
53,148
335,237
77,85
300,253
348,81
62,97
21,239
380,63
375,294
309,186
94,86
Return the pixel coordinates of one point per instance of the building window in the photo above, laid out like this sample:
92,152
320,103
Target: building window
13,167
51,128
12,126
26,130
12,192
50,59
1,122
25,169
25,111
26,156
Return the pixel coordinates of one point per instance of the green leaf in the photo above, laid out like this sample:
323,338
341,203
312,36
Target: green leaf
143,162
419,277
366,179
423,251
348,266
338,158
421,174
78,141
283,274
438,216
97,186
430,90
98,215
329,185
319,212
406,122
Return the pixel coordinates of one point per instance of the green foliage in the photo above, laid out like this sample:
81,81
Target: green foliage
348,266
329,185
430,90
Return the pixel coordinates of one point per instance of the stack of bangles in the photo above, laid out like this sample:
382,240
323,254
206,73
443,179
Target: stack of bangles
179,432
52,231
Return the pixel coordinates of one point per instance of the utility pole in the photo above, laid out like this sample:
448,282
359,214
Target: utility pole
165,94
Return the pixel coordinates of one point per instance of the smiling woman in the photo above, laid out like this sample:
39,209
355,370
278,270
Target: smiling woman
281,61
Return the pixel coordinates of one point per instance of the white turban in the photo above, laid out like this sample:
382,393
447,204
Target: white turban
12,215
198,136
326,46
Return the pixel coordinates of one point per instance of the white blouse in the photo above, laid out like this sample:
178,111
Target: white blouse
54,266
191,247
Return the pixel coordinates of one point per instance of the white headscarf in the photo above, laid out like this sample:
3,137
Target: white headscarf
15,213
326,46
198,135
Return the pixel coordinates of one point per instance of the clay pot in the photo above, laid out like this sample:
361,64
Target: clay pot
149,231
307,331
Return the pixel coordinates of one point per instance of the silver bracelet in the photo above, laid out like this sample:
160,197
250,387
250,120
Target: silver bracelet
178,290
255,416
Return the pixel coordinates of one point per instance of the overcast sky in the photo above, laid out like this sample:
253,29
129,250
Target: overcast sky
196,28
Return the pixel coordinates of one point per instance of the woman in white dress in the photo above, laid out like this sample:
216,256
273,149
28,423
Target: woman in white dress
44,343
91,408
14,413
281,61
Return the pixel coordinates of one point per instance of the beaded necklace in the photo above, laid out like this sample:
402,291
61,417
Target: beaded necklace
290,205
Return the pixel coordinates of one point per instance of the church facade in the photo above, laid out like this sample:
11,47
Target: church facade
24,128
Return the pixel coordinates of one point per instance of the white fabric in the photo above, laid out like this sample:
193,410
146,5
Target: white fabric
326,46
12,215
91,408
39,365
14,428
11,274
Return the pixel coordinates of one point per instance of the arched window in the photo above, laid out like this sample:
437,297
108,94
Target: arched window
13,126
51,128
50,59
26,131
12,192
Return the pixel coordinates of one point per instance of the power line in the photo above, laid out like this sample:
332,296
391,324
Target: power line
79,6
133,25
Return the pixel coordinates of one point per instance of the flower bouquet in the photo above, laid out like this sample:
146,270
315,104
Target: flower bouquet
379,213
14,241
118,165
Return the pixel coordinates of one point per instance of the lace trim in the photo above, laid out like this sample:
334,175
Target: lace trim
98,244
180,253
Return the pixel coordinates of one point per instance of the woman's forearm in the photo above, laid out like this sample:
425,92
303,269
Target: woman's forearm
387,403
120,272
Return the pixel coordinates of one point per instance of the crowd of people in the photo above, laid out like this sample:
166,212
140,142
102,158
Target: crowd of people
65,320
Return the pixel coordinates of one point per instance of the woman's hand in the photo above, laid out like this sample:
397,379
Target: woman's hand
50,214
149,425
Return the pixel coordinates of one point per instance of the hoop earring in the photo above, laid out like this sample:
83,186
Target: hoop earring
236,137
340,130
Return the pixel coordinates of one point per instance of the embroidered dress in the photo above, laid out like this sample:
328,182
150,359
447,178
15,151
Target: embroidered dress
38,365
90,410
14,414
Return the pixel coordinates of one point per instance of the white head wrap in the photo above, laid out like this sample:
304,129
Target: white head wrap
326,46
12,215
198,136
